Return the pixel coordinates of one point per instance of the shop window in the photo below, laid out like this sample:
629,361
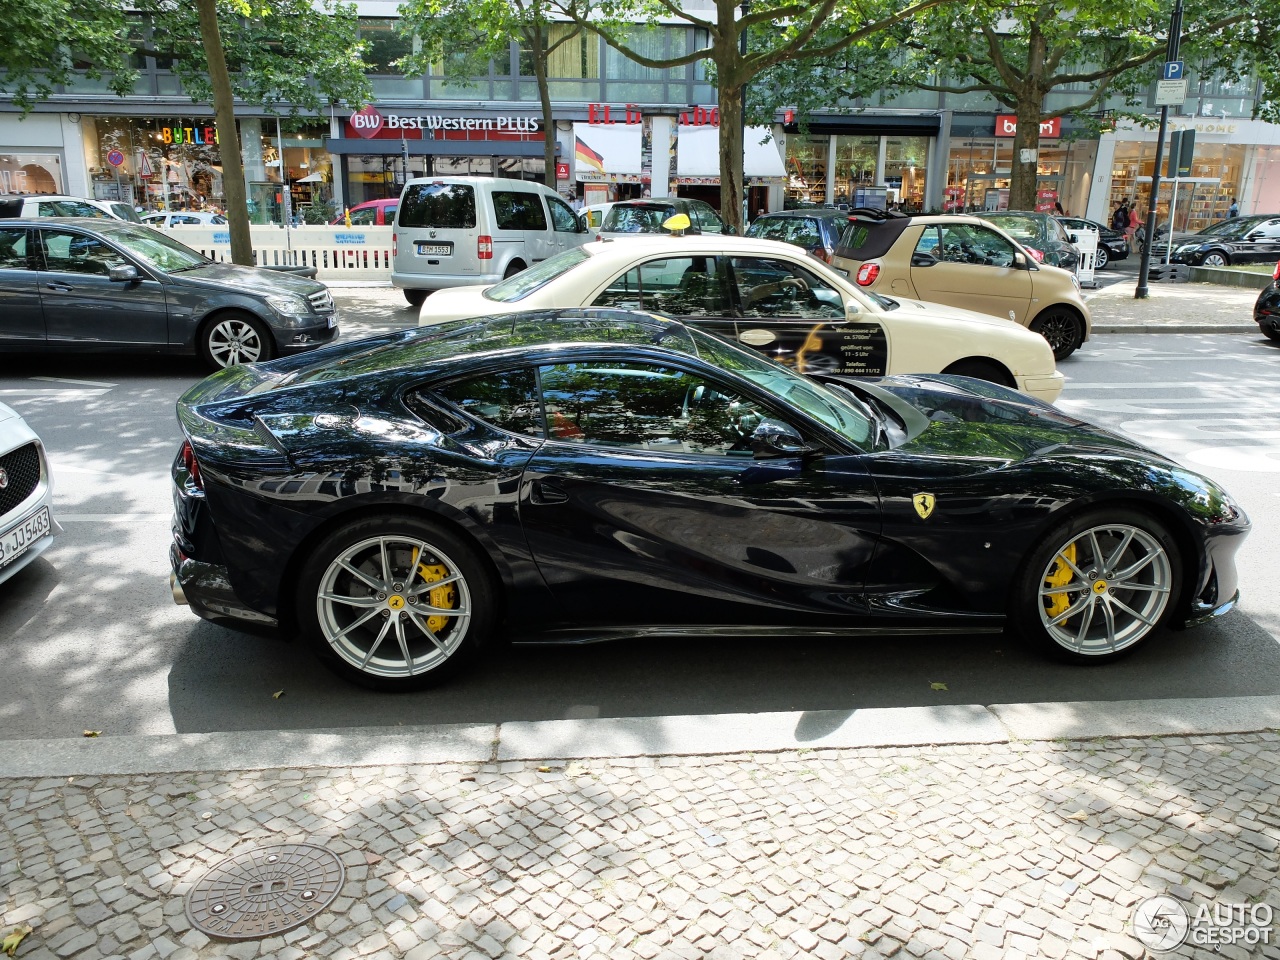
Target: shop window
806,170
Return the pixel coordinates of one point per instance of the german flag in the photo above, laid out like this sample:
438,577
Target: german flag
588,156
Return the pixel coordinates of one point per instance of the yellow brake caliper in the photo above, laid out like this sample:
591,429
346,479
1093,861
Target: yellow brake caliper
444,598
1061,576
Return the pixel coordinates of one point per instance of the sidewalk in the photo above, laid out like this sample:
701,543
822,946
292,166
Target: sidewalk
969,834
1172,307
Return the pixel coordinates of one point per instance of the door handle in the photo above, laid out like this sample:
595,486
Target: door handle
547,492
60,287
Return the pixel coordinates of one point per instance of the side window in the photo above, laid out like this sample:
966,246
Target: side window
76,253
677,286
506,400
707,219
647,407
929,241
364,218
516,210
778,288
562,217
13,250
965,243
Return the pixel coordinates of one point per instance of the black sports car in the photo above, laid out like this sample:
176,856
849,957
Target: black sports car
578,474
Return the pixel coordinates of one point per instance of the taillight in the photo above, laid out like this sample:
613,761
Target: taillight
484,247
395,246
867,273
1275,275
1038,254
193,468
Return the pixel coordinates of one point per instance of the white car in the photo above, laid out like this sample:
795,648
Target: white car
184,218
26,494
52,205
776,298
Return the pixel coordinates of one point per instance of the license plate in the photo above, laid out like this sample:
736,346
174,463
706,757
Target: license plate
17,540
333,321
435,249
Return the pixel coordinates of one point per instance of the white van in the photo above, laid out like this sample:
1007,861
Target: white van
458,231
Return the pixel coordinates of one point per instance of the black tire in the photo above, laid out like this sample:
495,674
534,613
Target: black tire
1271,333
1216,258
1132,586
382,606
982,369
234,337
514,267
1062,328
416,298
1101,258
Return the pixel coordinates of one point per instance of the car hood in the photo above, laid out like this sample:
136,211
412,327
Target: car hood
7,413
459,303
948,416
254,280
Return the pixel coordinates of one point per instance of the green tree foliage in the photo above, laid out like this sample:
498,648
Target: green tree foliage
1017,52
777,31
288,55
464,35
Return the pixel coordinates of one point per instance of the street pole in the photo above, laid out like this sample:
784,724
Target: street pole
1142,292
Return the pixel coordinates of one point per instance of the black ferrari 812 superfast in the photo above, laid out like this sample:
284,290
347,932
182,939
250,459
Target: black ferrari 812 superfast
403,502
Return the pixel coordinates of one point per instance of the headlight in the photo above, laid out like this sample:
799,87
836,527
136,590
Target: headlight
1188,247
288,306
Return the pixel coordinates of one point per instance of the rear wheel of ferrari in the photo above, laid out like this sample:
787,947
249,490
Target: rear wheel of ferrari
1062,328
1097,586
395,603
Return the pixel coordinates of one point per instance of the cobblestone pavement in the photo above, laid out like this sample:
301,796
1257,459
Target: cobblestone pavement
1014,850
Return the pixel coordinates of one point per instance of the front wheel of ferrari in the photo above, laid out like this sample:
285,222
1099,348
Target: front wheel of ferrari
1097,586
395,603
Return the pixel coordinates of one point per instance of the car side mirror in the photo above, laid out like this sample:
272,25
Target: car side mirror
123,273
1073,237
1255,235
773,438
1020,260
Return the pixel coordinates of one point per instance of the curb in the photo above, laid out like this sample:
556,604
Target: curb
1235,328
623,737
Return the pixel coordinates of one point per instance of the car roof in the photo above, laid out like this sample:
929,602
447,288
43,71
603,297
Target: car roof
689,244
827,213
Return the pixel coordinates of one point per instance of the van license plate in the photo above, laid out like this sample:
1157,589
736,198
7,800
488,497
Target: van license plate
435,249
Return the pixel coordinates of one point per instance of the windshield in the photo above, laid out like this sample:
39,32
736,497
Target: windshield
791,389
538,276
157,250
1235,227
647,218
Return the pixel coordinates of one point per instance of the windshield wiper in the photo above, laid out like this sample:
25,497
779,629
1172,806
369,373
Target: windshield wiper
190,266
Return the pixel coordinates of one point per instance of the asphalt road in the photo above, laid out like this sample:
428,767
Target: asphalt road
92,641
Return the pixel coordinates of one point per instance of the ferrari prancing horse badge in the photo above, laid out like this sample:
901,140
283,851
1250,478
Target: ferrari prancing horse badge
924,504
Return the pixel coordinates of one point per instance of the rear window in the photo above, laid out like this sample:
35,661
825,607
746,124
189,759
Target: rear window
868,239
516,210
450,205
646,219
801,231
125,212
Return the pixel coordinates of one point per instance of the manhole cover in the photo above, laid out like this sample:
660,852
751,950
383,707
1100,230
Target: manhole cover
263,892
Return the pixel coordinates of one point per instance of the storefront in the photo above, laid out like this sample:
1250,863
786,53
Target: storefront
379,150
862,161
39,153
1234,159
698,166
980,161
613,160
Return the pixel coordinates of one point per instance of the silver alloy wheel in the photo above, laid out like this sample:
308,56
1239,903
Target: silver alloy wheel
384,606
232,341
1101,258
1105,589
1215,260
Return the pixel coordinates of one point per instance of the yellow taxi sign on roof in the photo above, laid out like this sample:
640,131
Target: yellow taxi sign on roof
677,223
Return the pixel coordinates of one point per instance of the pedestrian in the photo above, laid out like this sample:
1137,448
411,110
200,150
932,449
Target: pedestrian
1132,226
1120,219
1057,208
1234,209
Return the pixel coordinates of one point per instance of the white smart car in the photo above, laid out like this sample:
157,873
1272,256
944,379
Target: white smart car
776,298
26,494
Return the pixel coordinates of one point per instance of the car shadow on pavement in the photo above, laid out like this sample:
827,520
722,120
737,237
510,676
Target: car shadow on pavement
225,680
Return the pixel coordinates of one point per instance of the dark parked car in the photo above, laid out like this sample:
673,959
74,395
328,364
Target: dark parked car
1041,233
1252,239
97,285
1112,244
817,231
580,474
1267,310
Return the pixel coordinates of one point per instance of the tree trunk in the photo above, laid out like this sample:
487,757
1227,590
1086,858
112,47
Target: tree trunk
539,49
731,152
1026,142
224,113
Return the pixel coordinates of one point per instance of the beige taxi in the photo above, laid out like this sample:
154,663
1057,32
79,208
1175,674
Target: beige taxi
963,262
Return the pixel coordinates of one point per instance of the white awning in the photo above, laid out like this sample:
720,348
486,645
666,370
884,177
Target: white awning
607,152
698,156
